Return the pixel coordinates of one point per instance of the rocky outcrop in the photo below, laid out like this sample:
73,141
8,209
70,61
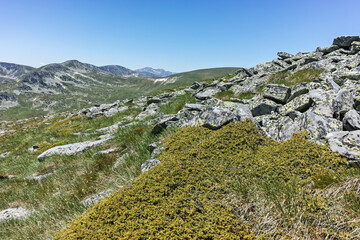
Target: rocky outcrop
71,149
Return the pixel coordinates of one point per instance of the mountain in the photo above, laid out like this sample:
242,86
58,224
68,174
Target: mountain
154,72
122,71
269,152
11,71
29,92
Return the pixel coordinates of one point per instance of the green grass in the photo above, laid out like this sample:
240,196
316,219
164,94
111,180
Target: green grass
288,79
227,95
177,104
56,199
232,183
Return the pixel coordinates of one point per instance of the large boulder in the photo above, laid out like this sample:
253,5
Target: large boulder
14,213
322,102
263,106
207,93
163,122
215,117
318,126
277,93
352,120
280,128
148,164
298,90
74,148
346,143
242,112
345,41
343,102
301,104
151,110
284,55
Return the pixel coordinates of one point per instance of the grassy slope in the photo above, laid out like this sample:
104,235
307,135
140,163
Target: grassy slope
242,187
114,88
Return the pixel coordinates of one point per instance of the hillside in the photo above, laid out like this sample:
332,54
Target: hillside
269,152
28,92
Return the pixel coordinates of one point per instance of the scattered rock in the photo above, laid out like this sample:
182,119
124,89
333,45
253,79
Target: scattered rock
37,177
346,143
215,117
277,93
163,122
71,149
3,155
301,104
107,151
208,93
352,120
149,164
263,107
96,197
15,213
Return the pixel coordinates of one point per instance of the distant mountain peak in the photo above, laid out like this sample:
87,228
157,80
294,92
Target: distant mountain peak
154,72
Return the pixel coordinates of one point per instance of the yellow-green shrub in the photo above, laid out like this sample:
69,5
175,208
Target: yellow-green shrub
190,194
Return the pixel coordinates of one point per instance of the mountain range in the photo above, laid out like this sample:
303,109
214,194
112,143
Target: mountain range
27,92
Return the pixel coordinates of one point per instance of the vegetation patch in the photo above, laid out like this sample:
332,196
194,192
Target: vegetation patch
232,183
177,104
288,79
228,95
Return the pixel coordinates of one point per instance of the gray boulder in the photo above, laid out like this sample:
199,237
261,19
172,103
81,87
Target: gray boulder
343,102
148,164
155,149
215,117
355,47
280,128
37,177
163,122
352,120
263,106
96,197
74,148
277,93
329,49
322,102
15,213
151,110
242,112
207,93
3,155
298,90
301,104
284,55
318,126
345,41
346,143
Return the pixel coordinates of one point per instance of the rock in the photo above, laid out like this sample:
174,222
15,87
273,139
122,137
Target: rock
112,111
322,102
329,49
318,126
151,110
351,120
155,149
242,112
284,55
280,128
301,104
215,117
345,41
263,106
96,197
208,93
74,148
195,106
37,177
277,93
15,213
355,47
33,148
298,90
195,86
153,100
346,143
149,164
163,122
3,155
343,102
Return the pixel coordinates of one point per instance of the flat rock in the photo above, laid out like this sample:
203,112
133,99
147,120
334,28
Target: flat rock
345,41
318,126
284,55
96,197
346,143
352,120
38,177
148,164
74,148
277,93
263,106
207,93
15,213
301,104
215,117
151,110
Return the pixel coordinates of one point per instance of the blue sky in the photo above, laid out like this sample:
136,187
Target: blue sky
178,35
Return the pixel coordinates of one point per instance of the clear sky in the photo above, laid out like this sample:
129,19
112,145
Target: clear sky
177,35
